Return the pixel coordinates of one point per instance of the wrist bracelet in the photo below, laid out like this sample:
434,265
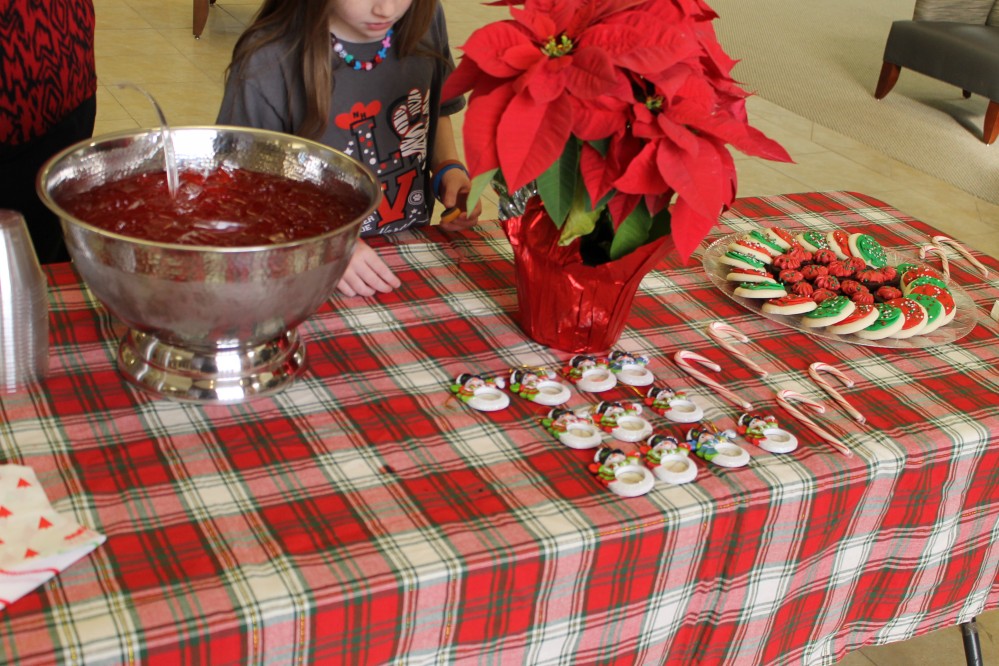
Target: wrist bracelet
442,169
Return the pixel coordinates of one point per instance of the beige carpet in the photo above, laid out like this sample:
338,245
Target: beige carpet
821,60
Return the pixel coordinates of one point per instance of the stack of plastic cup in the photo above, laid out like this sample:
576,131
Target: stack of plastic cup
24,308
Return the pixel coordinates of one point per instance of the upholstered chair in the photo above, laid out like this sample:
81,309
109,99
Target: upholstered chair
955,41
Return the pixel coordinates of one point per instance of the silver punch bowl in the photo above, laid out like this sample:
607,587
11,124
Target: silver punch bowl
207,324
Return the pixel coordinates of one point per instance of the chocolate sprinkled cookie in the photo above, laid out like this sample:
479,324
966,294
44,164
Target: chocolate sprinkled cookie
803,289
823,295
850,287
812,271
858,264
790,276
829,282
890,274
786,261
886,293
830,311
840,269
863,298
871,278
824,256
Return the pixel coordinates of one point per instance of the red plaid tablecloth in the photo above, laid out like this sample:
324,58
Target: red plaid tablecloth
363,517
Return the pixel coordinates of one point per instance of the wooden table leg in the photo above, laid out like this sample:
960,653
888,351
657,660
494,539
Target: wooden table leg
991,129
200,16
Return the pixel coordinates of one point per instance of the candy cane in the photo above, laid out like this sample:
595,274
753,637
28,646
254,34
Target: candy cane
815,371
942,253
683,359
784,398
721,331
944,240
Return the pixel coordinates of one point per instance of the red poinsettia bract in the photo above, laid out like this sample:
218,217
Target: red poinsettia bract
642,84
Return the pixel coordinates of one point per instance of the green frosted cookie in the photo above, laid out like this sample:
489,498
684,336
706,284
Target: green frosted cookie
935,312
740,260
760,290
812,240
912,284
868,249
830,311
889,322
765,241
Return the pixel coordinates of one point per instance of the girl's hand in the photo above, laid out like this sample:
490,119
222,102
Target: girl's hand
455,186
366,273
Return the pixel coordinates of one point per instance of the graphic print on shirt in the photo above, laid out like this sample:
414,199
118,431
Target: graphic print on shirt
393,144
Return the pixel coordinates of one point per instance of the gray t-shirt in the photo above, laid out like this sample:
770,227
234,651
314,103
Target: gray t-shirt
385,117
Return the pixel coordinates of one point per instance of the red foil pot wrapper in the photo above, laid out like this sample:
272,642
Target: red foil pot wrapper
564,304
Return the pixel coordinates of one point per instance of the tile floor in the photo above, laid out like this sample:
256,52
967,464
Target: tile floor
149,43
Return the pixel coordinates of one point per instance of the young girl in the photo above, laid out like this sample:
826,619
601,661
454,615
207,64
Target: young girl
364,77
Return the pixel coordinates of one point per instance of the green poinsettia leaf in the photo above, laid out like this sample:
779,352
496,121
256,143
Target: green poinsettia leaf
661,225
632,233
582,219
601,146
479,185
557,184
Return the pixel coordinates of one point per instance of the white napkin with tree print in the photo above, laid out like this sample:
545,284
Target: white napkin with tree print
36,542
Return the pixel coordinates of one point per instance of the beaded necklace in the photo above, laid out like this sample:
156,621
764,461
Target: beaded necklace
360,64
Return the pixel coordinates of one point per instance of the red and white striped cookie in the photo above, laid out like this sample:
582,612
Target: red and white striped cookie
917,272
751,248
863,316
942,295
830,311
782,237
915,317
760,290
740,260
839,242
749,275
769,245
889,322
934,312
792,304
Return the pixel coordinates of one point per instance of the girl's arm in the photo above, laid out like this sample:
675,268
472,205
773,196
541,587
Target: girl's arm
455,182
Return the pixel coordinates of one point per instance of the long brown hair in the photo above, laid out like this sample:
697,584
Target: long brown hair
304,25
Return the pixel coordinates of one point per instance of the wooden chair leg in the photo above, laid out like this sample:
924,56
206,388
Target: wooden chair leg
991,122
966,94
889,75
200,17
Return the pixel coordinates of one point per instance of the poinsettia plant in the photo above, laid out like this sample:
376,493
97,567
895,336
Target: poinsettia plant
620,111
